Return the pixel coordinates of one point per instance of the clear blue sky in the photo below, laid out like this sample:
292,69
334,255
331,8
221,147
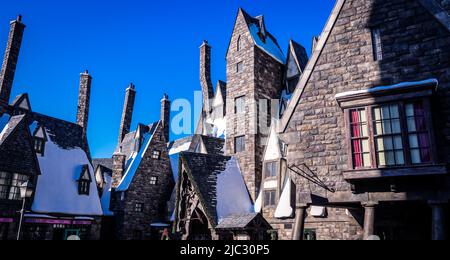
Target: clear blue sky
154,44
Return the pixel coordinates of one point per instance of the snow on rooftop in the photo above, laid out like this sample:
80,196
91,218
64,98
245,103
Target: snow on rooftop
106,196
134,165
268,46
258,203
284,208
182,148
57,186
4,120
386,88
232,194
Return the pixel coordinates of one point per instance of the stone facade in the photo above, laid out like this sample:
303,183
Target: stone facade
153,197
11,58
260,78
414,48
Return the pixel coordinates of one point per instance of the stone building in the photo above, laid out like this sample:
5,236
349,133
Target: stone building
212,201
52,154
142,182
367,127
243,111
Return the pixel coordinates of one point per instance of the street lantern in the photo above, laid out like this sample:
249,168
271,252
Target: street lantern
26,191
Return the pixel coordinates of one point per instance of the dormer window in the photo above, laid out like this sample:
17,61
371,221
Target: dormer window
39,145
84,182
271,170
40,138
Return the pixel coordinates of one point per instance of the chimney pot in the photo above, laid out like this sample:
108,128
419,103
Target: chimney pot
19,18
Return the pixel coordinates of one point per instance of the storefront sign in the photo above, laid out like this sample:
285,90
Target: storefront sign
49,221
6,220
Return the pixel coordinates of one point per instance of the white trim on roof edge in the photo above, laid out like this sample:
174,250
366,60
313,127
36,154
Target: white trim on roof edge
437,11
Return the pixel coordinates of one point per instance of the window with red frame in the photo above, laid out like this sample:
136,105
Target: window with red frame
360,138
395,135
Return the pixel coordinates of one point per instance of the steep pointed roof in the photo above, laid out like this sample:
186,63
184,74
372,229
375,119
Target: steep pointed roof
262,38
300,55
219,185
135,161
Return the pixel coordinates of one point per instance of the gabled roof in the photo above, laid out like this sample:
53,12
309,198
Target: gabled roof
431,5
300,55
135,162
16,146
22,101
219,185
106,163
9,127
213,145
243,221
261,37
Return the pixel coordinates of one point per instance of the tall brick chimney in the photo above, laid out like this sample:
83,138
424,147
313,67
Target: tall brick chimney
165,116
11,58
205,75
118,168
127,114
84,97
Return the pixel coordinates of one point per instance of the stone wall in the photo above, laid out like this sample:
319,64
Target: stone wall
153,197
415,47
260,78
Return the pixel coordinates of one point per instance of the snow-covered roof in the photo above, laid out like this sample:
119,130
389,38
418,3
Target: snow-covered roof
232,194
380,89
57,187
219,184
284,207
136,161
262,38
106,196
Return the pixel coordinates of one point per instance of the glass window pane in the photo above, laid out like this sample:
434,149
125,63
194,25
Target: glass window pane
363,115
396,128
388,145
387,127
413,141
367,162
409,110
415,156
412,125
390,158
398,142
394,112
377,113
365,130
378,128
365,146
380,144
381,159
399,156
385,113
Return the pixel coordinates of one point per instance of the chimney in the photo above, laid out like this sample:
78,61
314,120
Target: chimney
127,114
118,168
84,97
205,75
165,116
11,58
